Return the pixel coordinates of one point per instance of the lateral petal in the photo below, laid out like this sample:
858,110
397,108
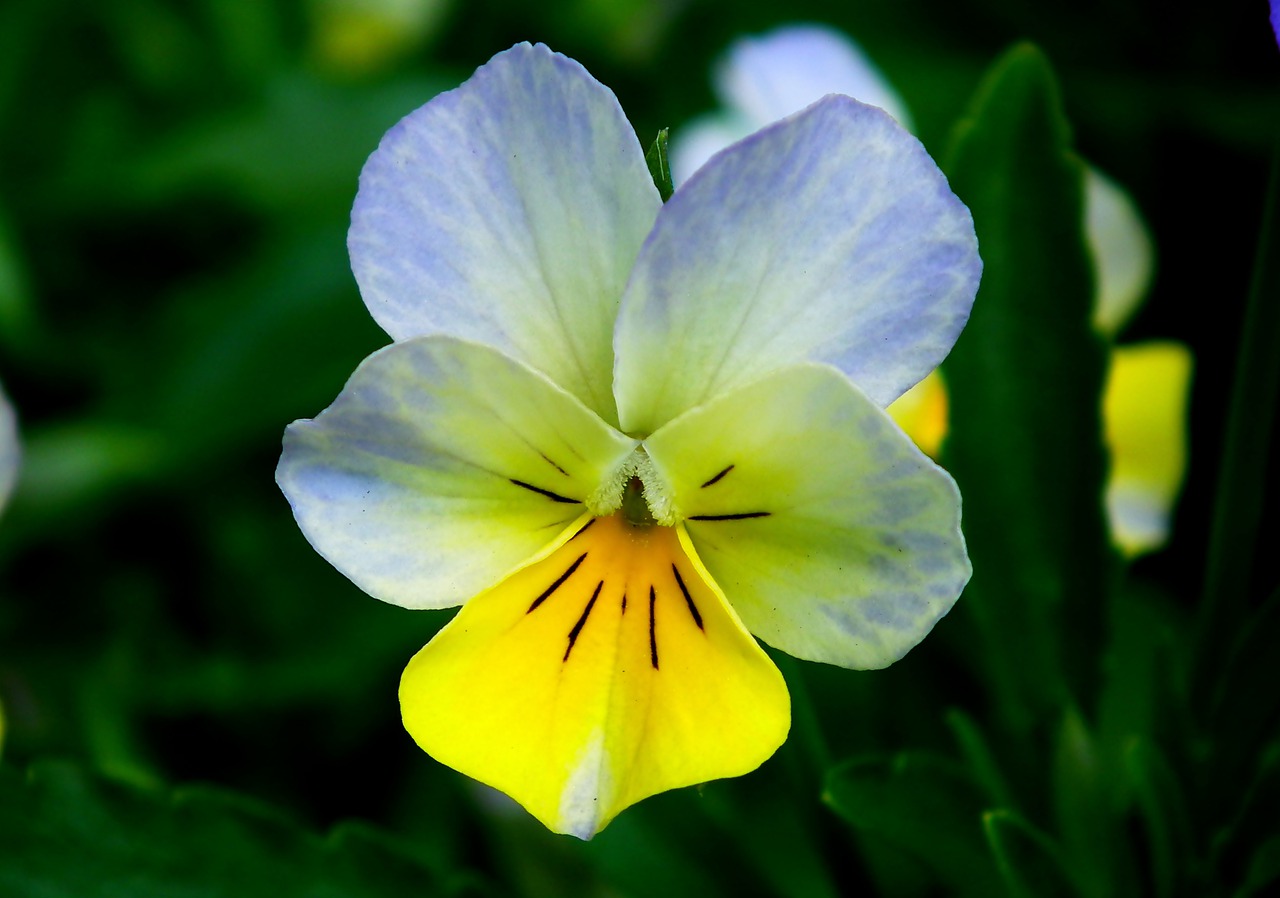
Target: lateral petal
832,535
608,671
440,467
829,236
509,211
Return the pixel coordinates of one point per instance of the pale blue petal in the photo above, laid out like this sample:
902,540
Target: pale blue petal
441,467
769,77
509,212
830,236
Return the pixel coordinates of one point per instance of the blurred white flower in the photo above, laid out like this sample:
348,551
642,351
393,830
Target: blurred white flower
762,79
9,452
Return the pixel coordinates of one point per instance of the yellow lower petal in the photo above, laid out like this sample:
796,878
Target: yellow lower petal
608,671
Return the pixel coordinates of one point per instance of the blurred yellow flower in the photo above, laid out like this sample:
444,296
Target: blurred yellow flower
357,37
1144,414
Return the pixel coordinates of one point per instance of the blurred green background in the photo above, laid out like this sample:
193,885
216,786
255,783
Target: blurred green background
196,703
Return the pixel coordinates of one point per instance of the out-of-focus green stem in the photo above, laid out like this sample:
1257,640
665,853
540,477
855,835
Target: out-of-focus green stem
1247,452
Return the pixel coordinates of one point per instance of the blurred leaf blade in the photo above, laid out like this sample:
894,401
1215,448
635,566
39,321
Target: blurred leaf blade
981,760
1092,838
1025,379
195,841
1030,863
1247,456
301,144
1166,821
1264,869
924,805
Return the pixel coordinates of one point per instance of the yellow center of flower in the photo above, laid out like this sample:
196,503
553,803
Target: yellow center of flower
606,671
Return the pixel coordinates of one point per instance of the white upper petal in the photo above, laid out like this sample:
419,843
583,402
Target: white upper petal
834,538
830,236
774,75
509,212
441,467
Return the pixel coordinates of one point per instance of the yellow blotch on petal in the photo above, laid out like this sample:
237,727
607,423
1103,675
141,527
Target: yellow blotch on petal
1144,411
607,671
922,413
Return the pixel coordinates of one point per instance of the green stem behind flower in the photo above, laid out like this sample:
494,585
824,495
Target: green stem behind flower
1246,457
660,165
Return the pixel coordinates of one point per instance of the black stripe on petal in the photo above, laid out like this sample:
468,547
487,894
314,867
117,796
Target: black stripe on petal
556,585
693,609
582,621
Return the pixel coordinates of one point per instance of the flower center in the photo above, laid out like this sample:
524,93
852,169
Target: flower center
636,489
635,507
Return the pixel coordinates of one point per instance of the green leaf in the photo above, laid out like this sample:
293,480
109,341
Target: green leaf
1247,456
1140,651
238,337
67,467
979,757
16,311
1165,818
299,146
1242,716
1030,863
1025,381
1245,815
924,805
777,833
660,165
67,834
1089,826
1264,869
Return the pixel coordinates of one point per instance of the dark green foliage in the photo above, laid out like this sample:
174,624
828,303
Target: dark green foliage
65,833
1024,381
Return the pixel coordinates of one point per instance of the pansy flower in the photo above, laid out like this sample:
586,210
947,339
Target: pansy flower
765,78
625,436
